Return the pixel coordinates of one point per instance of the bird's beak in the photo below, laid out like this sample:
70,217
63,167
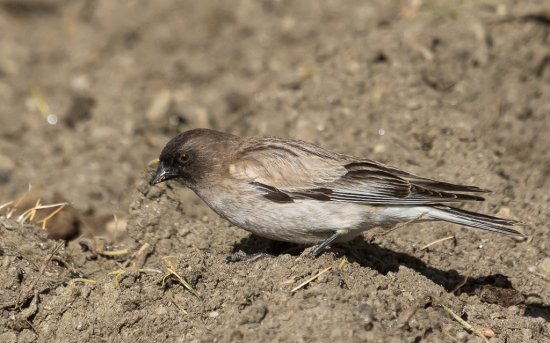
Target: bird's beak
163,173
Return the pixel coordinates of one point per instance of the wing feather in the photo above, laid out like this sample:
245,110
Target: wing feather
290,169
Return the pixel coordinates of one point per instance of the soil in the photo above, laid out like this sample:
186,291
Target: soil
90,91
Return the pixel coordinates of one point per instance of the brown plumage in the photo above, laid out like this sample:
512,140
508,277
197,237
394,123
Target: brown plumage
295,191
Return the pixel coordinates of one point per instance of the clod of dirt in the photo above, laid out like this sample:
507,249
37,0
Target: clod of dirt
253,314
501,296
160,106
25,8
60,222
80,110
236,100
7,166
544,267
116,228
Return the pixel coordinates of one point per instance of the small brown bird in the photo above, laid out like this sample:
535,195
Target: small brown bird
294,191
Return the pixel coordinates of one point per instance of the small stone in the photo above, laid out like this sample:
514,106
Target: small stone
413,105
336,333
462,336
253,314
353,67
160,105
236,336
544,266
64,225
488,332
8,337
81,110
116,228
7,166
367,312
236,100
504,212
194,114
161,311
80,83
213,314
513,310
379,148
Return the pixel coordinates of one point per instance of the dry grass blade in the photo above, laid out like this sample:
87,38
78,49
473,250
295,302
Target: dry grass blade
437,241
149,270
28,213
288,282
152,162
49,216
185,284
40,102
178,306
120,272
310,279
460,285
84,280
343,262
172,273
6,204
117,273
464,323
136,257
114,252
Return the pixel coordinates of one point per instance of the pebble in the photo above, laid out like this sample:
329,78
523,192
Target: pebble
7,166
116,229
379,148
544,266
253,314
195,114
367,312
8,337
80,83
413,105
504,212
159,106
462,336
236,100
81,109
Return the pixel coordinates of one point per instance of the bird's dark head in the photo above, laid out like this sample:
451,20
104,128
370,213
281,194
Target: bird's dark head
191,156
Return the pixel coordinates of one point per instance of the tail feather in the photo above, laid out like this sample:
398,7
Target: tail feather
477,220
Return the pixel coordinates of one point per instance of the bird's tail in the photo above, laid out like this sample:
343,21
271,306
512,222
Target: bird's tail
477,220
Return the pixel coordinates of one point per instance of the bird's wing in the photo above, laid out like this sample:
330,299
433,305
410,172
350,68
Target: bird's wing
417,180
286,170
286,164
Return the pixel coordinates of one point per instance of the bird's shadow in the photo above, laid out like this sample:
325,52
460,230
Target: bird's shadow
495,288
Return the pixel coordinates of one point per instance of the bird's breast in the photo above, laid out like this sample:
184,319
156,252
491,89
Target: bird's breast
300,221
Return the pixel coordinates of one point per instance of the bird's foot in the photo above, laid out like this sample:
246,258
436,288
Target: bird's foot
321,247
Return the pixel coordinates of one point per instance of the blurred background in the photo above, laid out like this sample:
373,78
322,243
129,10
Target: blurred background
91,90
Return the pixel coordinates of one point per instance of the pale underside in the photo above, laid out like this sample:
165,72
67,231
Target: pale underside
304,220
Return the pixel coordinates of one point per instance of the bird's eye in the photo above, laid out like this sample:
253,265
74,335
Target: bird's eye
183,159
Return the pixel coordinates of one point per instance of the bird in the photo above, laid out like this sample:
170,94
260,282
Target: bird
294,191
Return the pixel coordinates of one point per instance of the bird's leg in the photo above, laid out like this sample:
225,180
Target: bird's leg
319,249
247,257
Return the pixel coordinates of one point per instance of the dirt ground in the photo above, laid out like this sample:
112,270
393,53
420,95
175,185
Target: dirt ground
90,91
